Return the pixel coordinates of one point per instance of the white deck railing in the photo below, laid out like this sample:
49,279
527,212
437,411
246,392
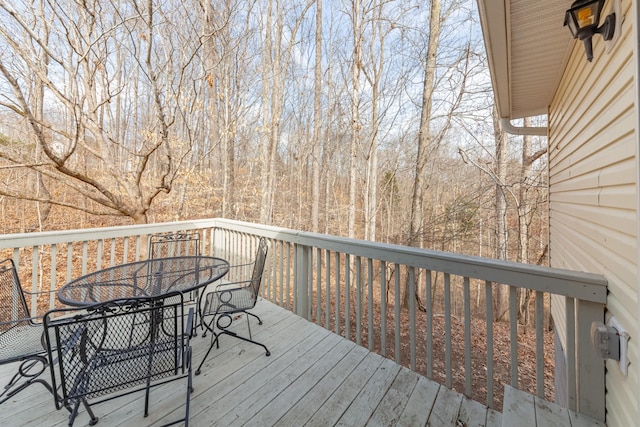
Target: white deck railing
308,274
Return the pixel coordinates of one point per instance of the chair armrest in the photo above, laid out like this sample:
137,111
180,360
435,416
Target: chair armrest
232,285
241,265
189,327
26,292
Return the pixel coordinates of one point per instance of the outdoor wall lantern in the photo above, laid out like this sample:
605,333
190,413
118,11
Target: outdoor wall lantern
583,19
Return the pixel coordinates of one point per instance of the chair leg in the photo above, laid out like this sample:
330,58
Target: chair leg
254,315
224,322
233,334
207,327
228,319
189,390
213,341
24,371
94,419
74,412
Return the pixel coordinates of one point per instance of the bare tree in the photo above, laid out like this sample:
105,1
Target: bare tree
276,59
424,134
357,15
317,123
501,300
118,167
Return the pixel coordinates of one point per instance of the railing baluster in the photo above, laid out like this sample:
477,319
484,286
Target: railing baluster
125,245
275,273
85,257
359,301
338,286
272,269
412,316
35,258
112,254
309,283
288,270
447,329
70,260
327,305
99,254
488,296
14,295
52,283
278,286
383,308
429,303
297,261
301,284
467,336
318,285
539,319
347,296
138,247
371,332
513,321
571,352
396,309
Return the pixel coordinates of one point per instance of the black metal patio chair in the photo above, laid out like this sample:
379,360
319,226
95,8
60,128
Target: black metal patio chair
165,245
183,243
21,335
229,298
116,348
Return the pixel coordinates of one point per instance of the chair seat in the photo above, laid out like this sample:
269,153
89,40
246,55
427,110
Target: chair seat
136,364
228,300
21,341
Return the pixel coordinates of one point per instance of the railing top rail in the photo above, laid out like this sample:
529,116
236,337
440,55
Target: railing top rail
81,235
582,285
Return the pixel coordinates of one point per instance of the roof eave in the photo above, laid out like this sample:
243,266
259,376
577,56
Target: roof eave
493,19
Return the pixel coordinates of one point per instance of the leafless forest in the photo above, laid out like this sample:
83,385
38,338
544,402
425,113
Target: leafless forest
369,119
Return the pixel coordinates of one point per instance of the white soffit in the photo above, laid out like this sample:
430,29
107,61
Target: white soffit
527,48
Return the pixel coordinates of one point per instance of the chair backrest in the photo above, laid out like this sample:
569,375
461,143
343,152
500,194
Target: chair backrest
14,314
258,267
174,244
115,346
13,305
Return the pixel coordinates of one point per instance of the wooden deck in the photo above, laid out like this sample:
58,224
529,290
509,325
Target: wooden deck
313,377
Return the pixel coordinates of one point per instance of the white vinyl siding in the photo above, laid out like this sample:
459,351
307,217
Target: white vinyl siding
593,192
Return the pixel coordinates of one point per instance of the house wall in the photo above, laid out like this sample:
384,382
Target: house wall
593,171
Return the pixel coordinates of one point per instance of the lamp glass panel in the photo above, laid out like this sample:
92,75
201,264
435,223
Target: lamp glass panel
587,14
572,24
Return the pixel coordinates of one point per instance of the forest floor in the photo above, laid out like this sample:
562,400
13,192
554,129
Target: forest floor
478,354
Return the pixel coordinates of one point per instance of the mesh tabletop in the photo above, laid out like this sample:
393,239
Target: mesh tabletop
148,278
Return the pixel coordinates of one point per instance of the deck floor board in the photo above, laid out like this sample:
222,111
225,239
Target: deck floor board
313,377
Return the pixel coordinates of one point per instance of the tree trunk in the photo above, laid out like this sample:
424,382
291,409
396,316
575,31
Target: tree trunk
501,296
317,119
355,115
416,230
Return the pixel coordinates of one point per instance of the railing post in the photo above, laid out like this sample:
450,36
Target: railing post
302,286
590,367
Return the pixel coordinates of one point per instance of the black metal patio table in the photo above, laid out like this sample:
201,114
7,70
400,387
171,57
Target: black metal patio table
147,278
